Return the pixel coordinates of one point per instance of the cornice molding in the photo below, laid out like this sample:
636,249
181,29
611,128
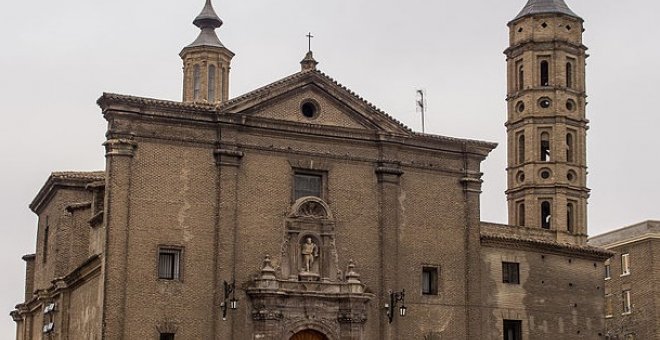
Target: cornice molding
63,180
539,246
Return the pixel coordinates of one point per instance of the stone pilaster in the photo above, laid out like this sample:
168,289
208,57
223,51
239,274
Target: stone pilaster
119,156
389,179
228,161
471,182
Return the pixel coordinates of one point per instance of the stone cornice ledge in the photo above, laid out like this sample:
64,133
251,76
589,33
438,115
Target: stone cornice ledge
589,252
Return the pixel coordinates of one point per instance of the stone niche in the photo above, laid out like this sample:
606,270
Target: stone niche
308,291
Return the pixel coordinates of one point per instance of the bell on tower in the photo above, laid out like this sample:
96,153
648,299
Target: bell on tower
206,62
546,122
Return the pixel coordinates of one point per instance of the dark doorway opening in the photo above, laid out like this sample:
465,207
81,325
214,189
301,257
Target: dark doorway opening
512,330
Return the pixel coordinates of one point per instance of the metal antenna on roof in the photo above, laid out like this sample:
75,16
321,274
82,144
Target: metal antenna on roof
421,104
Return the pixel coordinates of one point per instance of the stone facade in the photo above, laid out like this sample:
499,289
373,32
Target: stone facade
301,211
632,309
66,270
558,294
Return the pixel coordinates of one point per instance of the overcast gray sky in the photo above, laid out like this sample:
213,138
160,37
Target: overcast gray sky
59,56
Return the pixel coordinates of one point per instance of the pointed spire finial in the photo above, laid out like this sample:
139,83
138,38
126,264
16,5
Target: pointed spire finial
207,18
207,21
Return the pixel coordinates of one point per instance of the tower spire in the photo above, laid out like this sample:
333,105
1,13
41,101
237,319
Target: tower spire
208,17
546,7
206,61
207,21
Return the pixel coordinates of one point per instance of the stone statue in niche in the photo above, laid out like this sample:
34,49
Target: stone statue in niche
309,251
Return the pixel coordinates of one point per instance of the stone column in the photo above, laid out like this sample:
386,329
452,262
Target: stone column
228,160
119,156
389,176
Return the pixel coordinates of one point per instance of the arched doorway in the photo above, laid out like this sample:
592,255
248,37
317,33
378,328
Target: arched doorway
309,335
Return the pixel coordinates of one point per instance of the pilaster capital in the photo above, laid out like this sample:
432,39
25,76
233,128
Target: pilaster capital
120,147
471,183
389,172
228,157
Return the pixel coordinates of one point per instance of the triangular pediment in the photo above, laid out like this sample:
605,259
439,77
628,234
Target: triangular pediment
311,97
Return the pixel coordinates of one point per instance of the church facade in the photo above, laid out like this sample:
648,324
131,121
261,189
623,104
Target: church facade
301,211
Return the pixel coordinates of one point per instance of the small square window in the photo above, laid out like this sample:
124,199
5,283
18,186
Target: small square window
625,264
512,330
169,264
511,272
306,184
430,281
166,336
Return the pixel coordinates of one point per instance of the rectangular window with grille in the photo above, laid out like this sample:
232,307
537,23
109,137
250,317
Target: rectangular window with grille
169,264
308,185
510,272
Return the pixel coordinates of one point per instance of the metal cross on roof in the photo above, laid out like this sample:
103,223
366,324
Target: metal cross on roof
309,38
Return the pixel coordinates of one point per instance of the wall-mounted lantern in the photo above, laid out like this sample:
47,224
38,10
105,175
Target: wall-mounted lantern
230,301
395,297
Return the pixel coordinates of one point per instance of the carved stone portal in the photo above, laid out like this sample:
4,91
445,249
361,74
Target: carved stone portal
308,291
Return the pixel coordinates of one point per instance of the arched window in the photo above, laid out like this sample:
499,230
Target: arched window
569,148
521,214
521,148
569,75
521,78
545,78
197,82
546,215
570,217
545,147
211,84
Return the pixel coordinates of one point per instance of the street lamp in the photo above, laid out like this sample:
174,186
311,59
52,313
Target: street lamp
395,297
230,294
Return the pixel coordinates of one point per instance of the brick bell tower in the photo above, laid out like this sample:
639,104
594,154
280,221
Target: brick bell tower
546,123
206,62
